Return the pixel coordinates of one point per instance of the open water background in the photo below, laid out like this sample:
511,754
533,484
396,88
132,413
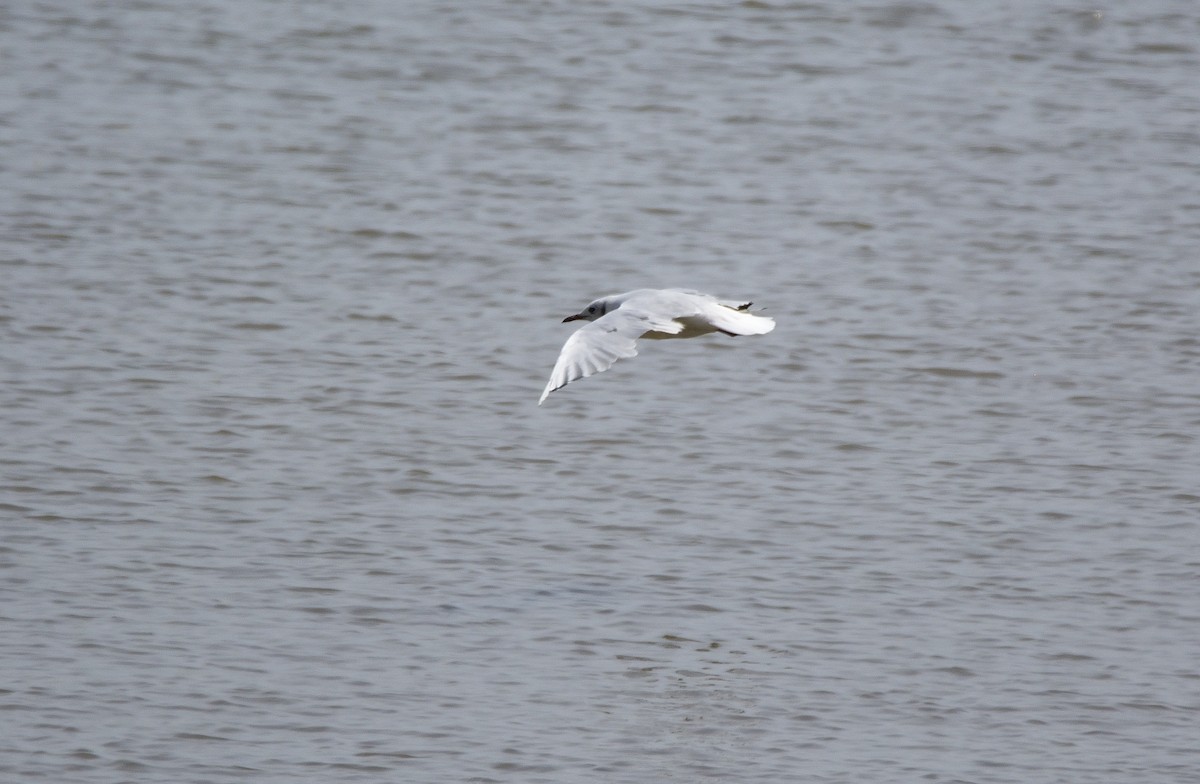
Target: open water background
282,281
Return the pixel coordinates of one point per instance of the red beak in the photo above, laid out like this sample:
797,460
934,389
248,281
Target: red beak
572,318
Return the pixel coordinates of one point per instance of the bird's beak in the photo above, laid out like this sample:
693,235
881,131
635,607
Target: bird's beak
576,317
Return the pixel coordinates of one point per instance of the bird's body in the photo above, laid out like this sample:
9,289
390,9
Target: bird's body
618,320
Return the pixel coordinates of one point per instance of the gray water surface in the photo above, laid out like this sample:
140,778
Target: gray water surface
283,281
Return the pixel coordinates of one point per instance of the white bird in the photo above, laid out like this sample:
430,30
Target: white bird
618,320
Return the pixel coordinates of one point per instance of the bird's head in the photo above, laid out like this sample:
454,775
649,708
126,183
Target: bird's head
593,311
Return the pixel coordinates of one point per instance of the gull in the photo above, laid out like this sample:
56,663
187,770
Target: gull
618,320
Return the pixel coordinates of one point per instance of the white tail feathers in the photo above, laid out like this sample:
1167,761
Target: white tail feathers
739,322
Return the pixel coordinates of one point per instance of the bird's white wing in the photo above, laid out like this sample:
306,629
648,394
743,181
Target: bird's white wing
598,344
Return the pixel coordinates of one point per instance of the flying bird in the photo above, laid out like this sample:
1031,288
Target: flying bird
618,320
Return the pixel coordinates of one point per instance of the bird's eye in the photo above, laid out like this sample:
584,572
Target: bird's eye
591,310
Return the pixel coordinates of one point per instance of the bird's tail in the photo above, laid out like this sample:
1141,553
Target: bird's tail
737,320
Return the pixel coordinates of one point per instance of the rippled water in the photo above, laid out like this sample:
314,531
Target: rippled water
283,282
